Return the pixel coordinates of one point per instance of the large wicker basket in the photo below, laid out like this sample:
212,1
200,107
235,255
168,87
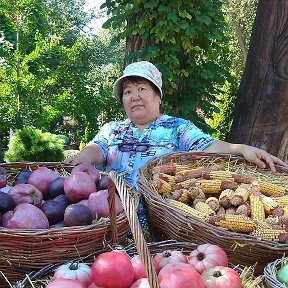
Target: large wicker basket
168,223
139,246
23,251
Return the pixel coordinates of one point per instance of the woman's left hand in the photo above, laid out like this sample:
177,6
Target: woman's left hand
261,158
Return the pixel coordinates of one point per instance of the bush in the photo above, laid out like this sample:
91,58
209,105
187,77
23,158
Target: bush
29,144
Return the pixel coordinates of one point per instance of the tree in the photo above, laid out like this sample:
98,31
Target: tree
186,40
261,111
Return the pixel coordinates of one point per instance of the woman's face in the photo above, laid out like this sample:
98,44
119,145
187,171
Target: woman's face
141,101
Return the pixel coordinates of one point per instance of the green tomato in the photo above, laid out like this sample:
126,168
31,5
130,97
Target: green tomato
282,275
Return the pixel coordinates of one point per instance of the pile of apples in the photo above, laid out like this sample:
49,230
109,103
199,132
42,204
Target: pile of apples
205,267
42,198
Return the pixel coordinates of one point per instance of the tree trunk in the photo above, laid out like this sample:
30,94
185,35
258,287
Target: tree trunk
261,111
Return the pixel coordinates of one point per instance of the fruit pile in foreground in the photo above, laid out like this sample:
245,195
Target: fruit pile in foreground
204,267
43,198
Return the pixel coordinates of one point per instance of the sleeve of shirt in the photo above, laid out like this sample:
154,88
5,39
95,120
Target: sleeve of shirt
192,138
101,139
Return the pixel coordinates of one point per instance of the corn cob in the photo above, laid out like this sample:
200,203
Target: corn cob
204,208
166,177
242,178
230,210
285,210
225,197
277,220
171,168
271,235
185,184
235,223
243,209
240,195
194,173
187,210
270,189
220,211
271,206
262,225
162,186
228,185
209,186
213,203
281,200
220,175
195,201
196,192
182,195
256,204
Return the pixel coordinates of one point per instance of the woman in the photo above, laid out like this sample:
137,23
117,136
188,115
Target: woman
126,145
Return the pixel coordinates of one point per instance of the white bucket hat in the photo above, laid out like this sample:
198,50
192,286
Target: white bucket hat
143,69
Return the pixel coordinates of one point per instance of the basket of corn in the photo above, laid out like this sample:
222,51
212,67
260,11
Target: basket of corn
27,249
161,264
218,198
276,273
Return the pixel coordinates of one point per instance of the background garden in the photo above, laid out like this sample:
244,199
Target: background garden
56,76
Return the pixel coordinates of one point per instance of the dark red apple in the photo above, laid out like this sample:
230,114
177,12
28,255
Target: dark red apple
27,216
78,186
26,193
88,168
98,203
3,177
102,183
22,177
54,211
77,215
56,187
41,178
6,202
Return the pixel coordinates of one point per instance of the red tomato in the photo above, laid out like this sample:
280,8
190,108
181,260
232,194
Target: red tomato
65,283
221,277
74,271
207,256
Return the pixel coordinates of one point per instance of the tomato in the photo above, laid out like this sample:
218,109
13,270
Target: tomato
74,271
207,256
65,283
221,277
282,275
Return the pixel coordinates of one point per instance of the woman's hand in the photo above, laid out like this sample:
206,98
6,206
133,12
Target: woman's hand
252,154
261,158
90,154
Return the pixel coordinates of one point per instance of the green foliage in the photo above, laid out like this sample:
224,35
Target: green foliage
54,75
29,144
186,40
222,121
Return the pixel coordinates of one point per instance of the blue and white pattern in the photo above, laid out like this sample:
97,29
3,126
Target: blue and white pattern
165,135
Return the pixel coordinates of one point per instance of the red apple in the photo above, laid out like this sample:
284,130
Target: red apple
88,168
98,203
41,178
27,216
3,177
78,186
26,193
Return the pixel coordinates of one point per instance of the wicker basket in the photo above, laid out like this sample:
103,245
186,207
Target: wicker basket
145,250
270,272
169,223
23,251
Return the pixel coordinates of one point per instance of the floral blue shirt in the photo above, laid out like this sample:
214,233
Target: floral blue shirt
126,151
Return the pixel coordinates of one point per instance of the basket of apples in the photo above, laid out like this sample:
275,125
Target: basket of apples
53,211
166,264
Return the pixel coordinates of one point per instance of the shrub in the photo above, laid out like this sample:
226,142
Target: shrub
29,144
